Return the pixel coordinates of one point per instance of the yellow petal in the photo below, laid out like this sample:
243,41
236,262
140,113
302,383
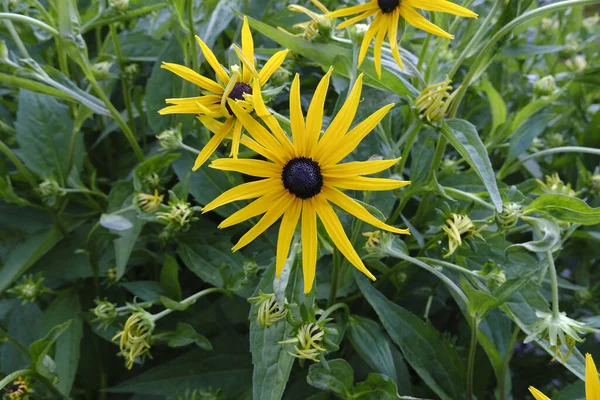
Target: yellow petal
286,232
362,183
257,207
344,12
213,62
245,191
383,30
212,145
235,140
592,383
258,168
314,117
342,121
248,65
355,168
418,21
275,211
334,229
537,394
369,35
358,18
393,37
257,148
352,207
210,123
194,77
248,49
296,117
320,6
271,66
442,6
188,105
354,137
309,244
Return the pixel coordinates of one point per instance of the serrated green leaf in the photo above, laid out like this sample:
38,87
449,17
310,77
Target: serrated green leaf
565,209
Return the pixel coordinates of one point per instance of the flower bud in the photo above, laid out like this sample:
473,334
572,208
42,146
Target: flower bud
101,70
105,312
555,185
268,309
544,86
459,227
250,269
31,289
434,100
149,203
179,215
121,5
577,63
309,339
549,25
151,180
372,239
509,216
595,184
17,389
170,140
555,140
135,338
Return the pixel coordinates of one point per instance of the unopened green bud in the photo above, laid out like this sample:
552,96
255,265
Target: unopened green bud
309,342
268,310
536,145
101,70
250,269
111,274
549,25
170,140
31,288
577,63
584,296
179,215
151,180
121,5
590,23
555,140
48,188
105,312
511,212
595,184
544,86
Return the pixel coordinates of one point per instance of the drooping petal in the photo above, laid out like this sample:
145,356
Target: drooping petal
262,169
212,144
369,35
248,65
286,232
335,230
245,191
247,48
296,117
276,210
344,12
418,21
314,117
352,207
356,168
592,383
194,77
342,121
362,183
271,66
537,394
309,244
235,139
393,37
213,62
358,18
188,105
383,30
442,6
210,123
353,138
257,207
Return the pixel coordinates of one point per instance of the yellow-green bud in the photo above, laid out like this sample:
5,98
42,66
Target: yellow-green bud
549,25
577,63
595,183
136,336
151,180
590,23
31,288
121,5
309,342
509,216
555,140
434,101
545,86
170,140
101,70
149,203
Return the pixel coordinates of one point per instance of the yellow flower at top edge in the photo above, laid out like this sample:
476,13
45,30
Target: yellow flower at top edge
592,382
212,104
303,176
386,15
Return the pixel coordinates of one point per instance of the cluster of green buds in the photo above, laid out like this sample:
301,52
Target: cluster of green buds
49,190
458,228
545,86
180,213
511,212
577,63
434,100
558,330
136,337
554,140
269,311
151,180
105,312
494,276
131,71
171,139
250,269
318,26
555,185
120,5
31,289
149,203
101,70
309,342
536,145
18,389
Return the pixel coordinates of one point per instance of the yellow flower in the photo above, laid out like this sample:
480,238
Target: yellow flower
235,85
386,15
302,176
592,383
459,227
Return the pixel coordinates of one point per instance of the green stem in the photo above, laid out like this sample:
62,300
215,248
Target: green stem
506,364
471,362
190,13
88,191
189,148
124,80
468,196
14,375
553,284
335,275
123,17
451,266
333,308
423,51
15,160
29,20
17,39
189,300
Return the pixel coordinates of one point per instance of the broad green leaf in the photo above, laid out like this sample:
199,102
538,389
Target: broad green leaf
436,362
44,128
497,104
186,334
326,54
523,136
376,387
169,278
527,50
336,377
24,324
531,109
40,348
372,345
145,290
565,209
421,157
480,302
156,164
511,287
125,241
549,232
464,138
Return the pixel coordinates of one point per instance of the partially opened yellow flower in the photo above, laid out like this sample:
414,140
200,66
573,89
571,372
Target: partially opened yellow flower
235,84
387,13
303,176
592,383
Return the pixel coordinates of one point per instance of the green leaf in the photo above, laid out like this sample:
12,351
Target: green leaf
326,54
421,156
125,241
169,278
565,209
480,302
156,164
336,377
436,362
40,349
376,387
174,305
186,334
548,230
372,345
531,109
523,136
497,104
512,286
44,128
527,49
463,136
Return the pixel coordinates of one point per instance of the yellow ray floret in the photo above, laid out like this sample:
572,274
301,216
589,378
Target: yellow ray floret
211,105
386,15
302,177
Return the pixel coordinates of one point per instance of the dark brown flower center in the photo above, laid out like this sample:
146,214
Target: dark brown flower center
302,177
387,6
238,92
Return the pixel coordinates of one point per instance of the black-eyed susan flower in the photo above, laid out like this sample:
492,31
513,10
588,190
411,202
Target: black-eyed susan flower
212,104
303,176
592,382
386,15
